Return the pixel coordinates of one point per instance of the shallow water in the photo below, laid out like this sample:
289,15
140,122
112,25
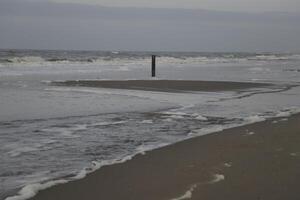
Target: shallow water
42,125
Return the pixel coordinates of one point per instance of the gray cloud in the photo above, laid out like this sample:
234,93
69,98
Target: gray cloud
82,11
47,25
229,5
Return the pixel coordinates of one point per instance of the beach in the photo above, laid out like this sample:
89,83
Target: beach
96,126
149,100
257,161
163,85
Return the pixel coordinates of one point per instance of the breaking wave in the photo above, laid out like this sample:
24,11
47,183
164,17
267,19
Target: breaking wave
41,58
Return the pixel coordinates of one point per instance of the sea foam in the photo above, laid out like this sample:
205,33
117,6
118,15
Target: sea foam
32,189
217,178
188,194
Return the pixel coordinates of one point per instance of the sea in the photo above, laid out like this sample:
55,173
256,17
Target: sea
53,134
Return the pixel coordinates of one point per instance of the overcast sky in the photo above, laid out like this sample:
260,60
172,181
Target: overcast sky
227,5
170,25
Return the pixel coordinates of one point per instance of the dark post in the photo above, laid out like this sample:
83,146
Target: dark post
153,65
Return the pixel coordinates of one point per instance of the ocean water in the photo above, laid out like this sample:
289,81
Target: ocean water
51,135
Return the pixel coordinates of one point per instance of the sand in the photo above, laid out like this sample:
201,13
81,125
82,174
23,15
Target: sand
257,161
163,85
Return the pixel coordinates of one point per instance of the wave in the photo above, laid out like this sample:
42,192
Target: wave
119,59
30,190
275,57
24,59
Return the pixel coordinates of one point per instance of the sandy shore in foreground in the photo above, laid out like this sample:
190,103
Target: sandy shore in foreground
257,161
163,85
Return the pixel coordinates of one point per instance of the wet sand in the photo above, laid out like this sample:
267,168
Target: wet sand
163,85
257,161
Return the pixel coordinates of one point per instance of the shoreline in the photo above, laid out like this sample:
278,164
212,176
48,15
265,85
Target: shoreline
163,85
132,84
174,171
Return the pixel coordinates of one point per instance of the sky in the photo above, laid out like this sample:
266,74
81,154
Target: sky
224,5
156,25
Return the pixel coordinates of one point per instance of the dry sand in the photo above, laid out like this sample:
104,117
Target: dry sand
258,161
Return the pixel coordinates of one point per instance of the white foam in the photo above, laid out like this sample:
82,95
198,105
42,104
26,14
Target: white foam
256,79
250,133
108,123
275,57
217,178
283,114
147,122
32,189
175,113
293,109
85,171
287,112
179,62
188,194
142,149
26,59
176,116
227,164
254,118
95,165
205,131
201,118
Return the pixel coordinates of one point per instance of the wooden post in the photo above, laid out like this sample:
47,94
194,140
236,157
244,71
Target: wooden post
153,65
